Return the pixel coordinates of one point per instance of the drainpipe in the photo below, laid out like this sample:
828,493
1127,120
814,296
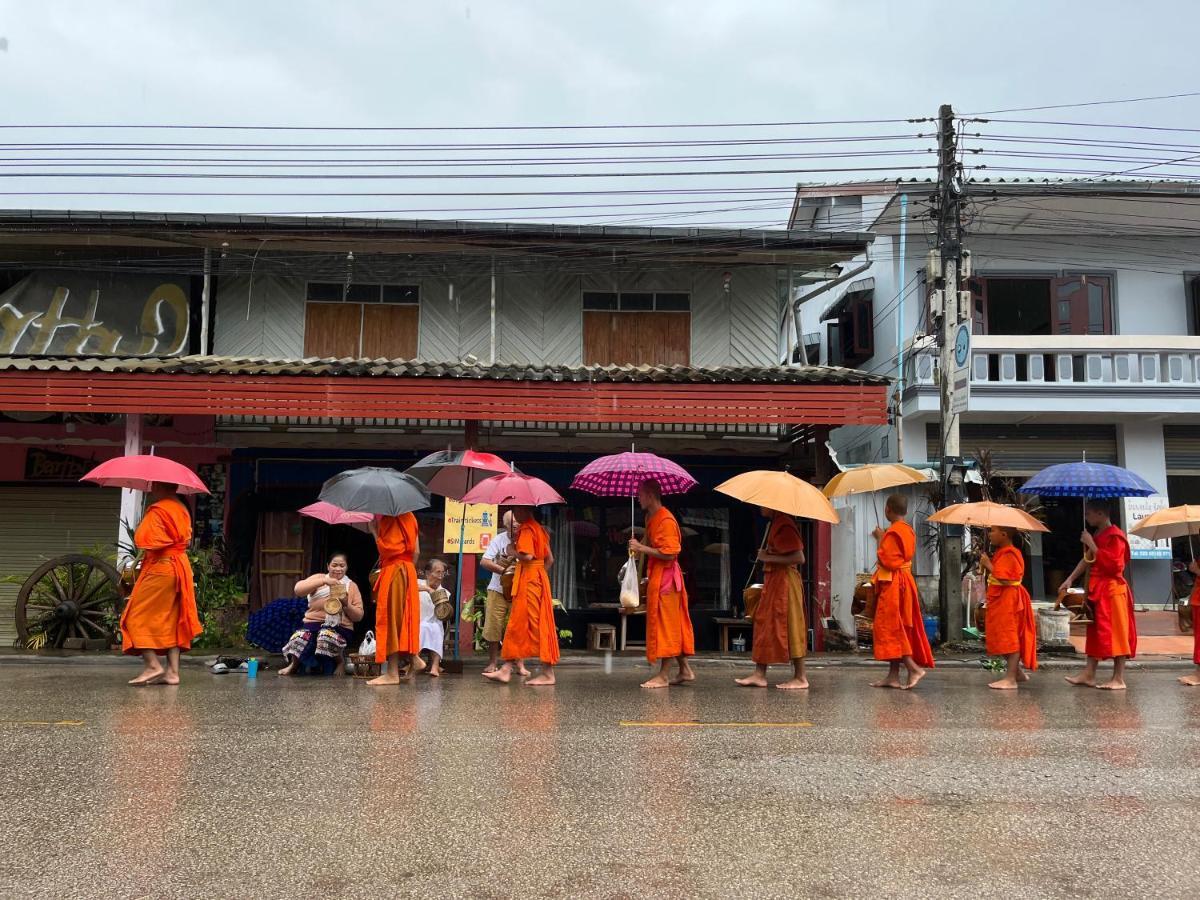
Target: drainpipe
492,341
131,500
205,301
900,328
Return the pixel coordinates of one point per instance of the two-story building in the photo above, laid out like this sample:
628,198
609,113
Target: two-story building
1084,300
274,352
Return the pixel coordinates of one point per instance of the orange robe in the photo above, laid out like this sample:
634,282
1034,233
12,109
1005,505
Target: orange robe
161,612
668,623
1010,624
899,628
531,630
780,632
397,603
1112,631
1195,600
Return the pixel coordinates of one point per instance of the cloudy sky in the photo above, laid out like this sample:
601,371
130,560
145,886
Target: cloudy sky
404,65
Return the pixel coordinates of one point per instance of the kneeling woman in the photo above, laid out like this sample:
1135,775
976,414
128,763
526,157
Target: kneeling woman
334,605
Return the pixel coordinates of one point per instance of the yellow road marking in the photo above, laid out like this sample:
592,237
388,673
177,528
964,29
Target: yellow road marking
716,724
20,722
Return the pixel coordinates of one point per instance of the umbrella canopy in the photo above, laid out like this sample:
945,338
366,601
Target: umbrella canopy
513,489
620,474
384,492
451,473
1178,521
782,492
272,625
1087,480
334,515
141,471
872,477
985,514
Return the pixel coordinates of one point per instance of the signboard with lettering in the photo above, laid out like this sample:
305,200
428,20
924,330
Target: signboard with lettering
46,465
1136,509
478,531
95,314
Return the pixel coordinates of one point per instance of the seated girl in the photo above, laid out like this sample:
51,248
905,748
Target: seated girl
334,605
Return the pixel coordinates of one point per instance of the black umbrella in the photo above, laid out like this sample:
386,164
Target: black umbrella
384,492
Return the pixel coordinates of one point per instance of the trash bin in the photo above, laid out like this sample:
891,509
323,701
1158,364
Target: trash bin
931,628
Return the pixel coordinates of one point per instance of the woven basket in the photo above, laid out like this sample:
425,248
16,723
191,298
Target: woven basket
364,666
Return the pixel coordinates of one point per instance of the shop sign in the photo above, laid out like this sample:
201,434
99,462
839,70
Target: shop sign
1136,509
476,532
46,465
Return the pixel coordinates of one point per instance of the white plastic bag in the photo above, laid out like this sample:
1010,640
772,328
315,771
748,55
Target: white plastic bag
631,596
367,647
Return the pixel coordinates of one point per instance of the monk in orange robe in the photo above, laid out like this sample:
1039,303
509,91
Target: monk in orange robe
899,629
397,601
668,624
160,618
531,630
1112,633
1011,631
1194,600
780,632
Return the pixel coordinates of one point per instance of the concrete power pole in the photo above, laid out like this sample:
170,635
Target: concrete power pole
949,250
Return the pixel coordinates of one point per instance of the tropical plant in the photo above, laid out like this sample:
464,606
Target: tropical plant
473,612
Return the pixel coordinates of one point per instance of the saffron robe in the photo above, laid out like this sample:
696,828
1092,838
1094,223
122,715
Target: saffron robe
531,630
161,612
397,602
1010,624
780,632
668,624
1112,632
899,628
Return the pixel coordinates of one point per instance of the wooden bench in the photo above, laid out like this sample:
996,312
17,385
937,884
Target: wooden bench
623,615
726,624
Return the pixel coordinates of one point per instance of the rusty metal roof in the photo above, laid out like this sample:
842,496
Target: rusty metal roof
401,368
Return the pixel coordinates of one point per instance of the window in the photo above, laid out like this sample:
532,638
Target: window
851,337
638,301
1042,304
361,320
1193,311
637,328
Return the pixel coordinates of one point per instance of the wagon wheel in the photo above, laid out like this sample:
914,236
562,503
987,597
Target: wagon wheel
68,597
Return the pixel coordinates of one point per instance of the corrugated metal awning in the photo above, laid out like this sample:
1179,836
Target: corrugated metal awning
856,289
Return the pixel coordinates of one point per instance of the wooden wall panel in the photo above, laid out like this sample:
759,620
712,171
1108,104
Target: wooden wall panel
332,330
636,338
390,332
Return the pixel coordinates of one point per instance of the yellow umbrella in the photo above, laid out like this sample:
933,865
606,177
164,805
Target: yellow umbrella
872,477
1178,521
985,514
781,492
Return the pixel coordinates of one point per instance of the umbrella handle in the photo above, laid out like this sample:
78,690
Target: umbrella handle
754,568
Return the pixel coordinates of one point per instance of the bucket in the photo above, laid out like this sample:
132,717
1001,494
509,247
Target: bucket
1053,626
931,628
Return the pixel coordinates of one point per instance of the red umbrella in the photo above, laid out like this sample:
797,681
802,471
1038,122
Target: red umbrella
140,472
513,489
334,515
451,473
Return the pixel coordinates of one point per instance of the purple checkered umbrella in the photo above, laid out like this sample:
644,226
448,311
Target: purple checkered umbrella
619,475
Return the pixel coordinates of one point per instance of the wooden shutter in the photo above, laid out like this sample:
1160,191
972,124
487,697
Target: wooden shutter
332,330
390,331
637,338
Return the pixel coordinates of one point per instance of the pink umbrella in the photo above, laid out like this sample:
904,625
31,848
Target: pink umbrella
619,475
513,489
334,515
141,471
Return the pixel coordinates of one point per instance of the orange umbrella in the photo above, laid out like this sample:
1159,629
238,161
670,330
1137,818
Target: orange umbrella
781,492
985,514
872,477
1178,521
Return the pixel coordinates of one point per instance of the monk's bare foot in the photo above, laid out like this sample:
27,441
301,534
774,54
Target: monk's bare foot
1112,685
435,672
541,680
148,676
751,680
288,669
793,684
658,681
1005,684
523,672
1022,676
913,678
168,678
500,676
418,666
1190,680
685,676
390,677
489,668
889,682
1082,680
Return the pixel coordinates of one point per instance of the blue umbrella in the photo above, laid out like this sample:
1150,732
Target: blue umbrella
1087,480
272,625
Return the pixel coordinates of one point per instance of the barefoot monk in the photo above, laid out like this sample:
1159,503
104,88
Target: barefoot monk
397,601
668,624
531,630
1193,680
1011,631
899,630
160,618
780,632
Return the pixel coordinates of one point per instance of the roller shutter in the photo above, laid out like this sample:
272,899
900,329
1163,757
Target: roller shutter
1020,450
1182,449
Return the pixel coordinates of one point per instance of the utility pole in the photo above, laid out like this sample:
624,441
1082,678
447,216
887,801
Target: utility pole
949,251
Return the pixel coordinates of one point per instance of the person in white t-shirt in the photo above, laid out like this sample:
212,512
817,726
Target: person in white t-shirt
433,633
499,555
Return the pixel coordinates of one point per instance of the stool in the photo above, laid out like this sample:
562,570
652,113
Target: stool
602,637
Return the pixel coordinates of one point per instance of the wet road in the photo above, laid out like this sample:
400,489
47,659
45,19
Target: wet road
234,788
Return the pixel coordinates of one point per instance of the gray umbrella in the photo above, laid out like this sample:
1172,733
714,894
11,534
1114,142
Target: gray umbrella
372,489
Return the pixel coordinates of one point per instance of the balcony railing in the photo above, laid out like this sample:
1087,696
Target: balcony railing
1105,362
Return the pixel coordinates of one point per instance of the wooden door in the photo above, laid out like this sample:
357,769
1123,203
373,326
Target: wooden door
332,330
282,550
978,288
637,338
390,331
1081,305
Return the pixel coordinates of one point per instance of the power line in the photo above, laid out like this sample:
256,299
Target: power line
1088,103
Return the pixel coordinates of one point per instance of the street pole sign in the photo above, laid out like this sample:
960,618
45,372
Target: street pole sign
960,375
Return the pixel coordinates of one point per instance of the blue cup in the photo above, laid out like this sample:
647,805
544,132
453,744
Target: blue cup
252,667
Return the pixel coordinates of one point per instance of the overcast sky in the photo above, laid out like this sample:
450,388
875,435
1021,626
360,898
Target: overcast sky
562,63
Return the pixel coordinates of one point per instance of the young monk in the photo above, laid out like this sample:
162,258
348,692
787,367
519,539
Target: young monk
160,618
1194,600
1112,633
397,602
531,630
1011,631
668,624
899,630
780,633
